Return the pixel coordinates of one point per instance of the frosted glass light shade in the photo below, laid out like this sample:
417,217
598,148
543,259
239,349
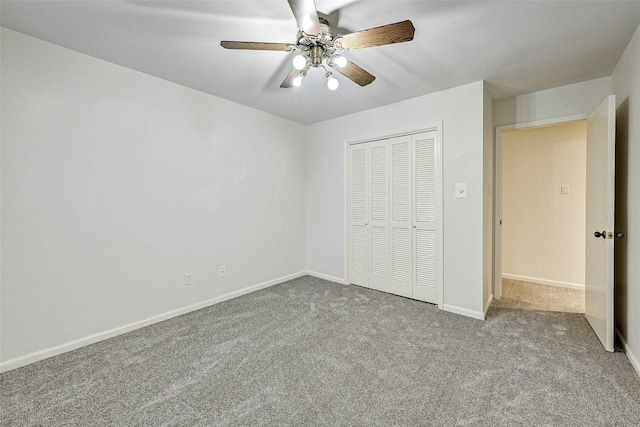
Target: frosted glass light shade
297,81
299,62
340,61
333,83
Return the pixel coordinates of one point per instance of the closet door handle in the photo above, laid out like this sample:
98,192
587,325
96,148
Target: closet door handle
602,234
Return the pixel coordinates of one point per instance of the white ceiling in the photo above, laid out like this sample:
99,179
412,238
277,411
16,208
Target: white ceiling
517,46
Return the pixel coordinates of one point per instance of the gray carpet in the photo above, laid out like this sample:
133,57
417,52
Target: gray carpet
312,352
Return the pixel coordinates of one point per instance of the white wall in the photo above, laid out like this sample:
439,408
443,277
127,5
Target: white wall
626,86
115,184
564,101
461,111
542,229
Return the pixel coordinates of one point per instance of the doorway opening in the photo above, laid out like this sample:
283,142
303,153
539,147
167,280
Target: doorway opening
540,221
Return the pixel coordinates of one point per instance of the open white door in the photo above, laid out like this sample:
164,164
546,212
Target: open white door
600,221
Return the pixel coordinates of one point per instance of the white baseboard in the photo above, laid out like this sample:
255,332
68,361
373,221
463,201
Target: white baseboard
632,358
463,311
101,336
326,277
487,305
544,281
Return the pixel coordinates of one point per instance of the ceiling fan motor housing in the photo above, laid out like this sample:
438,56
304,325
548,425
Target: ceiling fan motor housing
317,47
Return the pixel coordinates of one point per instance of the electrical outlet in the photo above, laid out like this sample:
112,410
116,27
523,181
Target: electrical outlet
187,279
222,271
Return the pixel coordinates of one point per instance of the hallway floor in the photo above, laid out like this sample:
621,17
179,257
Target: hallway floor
533,296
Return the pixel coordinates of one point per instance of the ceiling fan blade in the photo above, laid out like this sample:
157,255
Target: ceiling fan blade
355,73
387,34
288,81
285,47
306,16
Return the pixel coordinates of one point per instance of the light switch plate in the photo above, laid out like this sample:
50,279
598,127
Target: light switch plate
461,190
564,190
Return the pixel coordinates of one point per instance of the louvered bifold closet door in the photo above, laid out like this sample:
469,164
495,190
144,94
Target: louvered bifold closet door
379,215
359,211
427,218
400,225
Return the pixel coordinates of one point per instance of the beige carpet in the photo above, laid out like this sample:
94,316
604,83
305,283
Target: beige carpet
533,296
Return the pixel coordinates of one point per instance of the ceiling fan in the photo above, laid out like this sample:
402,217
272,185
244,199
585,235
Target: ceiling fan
320,46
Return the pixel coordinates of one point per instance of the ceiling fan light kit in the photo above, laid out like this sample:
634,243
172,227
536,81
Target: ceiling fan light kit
319,46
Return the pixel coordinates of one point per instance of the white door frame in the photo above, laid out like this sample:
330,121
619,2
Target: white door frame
437,127
497,226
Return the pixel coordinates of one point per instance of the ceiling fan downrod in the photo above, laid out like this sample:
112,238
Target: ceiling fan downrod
317,52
